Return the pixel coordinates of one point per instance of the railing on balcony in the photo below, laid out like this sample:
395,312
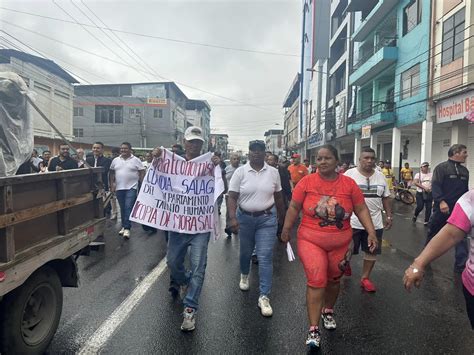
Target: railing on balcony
383,42
379,108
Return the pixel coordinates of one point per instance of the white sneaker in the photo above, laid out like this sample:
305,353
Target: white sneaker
264,305
122,231
244,282
126,233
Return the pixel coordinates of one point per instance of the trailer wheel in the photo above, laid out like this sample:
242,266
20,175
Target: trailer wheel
29,315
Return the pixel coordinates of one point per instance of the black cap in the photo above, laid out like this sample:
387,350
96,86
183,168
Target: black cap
257,144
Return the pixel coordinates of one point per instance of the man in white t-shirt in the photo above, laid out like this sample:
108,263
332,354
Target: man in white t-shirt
126,171
377,198
424,197
254,192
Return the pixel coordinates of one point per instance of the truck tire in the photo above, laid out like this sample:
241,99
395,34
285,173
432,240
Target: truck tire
29,315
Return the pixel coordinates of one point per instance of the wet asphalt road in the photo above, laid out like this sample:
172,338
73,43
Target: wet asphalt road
431,320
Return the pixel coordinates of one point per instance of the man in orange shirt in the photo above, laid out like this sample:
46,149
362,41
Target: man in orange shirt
297,170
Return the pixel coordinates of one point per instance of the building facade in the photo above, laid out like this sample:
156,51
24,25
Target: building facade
274,141
291,119
219,142
145,114
198,113
452,78
54,91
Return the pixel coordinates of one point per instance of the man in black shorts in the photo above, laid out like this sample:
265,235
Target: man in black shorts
377,198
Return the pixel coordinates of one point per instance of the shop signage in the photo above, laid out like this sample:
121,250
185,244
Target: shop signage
456,108
366,131
156,101
316,139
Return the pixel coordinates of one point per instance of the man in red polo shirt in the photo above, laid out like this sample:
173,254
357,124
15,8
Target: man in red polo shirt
297,170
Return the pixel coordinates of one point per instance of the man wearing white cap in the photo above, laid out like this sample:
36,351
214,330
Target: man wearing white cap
189,282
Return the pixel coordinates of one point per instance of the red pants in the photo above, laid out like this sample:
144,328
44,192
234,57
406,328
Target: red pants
321,254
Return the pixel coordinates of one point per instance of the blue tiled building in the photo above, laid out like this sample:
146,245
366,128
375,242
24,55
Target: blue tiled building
391,72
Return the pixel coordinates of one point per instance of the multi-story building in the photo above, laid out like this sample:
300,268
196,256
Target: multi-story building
144,114
391,73
315,49
219,142
291,121
340,95
198,113
274,141
452,79
54,95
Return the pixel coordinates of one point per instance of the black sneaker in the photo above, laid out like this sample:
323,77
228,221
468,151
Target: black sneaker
314,338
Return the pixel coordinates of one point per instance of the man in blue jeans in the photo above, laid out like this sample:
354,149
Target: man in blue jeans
189,282
126,171
254,192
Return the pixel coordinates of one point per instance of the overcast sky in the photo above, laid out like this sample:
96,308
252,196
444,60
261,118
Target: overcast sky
249,78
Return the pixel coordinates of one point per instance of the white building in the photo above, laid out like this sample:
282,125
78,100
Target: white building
198,113
54,94
274,141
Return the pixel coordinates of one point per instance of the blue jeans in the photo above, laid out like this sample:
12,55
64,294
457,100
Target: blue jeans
178,244
126,200
259,232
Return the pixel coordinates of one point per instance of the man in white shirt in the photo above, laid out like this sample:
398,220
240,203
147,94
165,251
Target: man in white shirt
254,190
377,198
126,171
424,197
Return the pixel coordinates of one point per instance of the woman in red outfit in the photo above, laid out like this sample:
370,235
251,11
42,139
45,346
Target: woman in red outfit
327,199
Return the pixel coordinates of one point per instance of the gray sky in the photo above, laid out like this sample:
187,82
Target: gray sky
249,78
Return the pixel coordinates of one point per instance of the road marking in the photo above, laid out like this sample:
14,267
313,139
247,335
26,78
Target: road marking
122,312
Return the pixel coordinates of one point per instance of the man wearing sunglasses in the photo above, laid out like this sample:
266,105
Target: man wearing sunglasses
377,198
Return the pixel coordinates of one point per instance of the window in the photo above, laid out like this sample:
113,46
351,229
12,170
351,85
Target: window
157,113
453,37
109,114
42,87
410,82
78,111
134,111
411,16
78,132
62,94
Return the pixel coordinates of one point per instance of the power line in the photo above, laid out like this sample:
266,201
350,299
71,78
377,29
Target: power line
47,56
123,64
160,37
116,36
96,38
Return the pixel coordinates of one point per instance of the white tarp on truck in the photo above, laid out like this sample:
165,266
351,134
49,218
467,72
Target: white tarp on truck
16,124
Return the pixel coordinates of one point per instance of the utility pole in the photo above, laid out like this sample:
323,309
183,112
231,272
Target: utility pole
303,38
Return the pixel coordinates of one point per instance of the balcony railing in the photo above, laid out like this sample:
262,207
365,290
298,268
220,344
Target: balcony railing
383,42
379,108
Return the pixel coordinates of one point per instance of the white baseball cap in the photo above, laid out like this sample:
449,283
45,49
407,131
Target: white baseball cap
193,132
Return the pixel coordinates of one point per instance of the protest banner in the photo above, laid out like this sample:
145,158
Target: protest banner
180,196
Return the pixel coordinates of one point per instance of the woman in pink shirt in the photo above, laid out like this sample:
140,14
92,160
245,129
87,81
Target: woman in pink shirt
459,224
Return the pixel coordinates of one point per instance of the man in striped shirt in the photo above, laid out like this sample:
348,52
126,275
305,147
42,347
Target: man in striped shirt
377,198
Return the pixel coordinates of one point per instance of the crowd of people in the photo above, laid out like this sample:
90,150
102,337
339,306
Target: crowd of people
344,209
340,210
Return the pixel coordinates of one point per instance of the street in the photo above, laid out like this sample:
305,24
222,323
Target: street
431,320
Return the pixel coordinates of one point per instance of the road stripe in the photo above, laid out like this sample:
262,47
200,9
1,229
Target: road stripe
122,312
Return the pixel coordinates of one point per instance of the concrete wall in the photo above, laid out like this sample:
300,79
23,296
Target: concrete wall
54,96
157,131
